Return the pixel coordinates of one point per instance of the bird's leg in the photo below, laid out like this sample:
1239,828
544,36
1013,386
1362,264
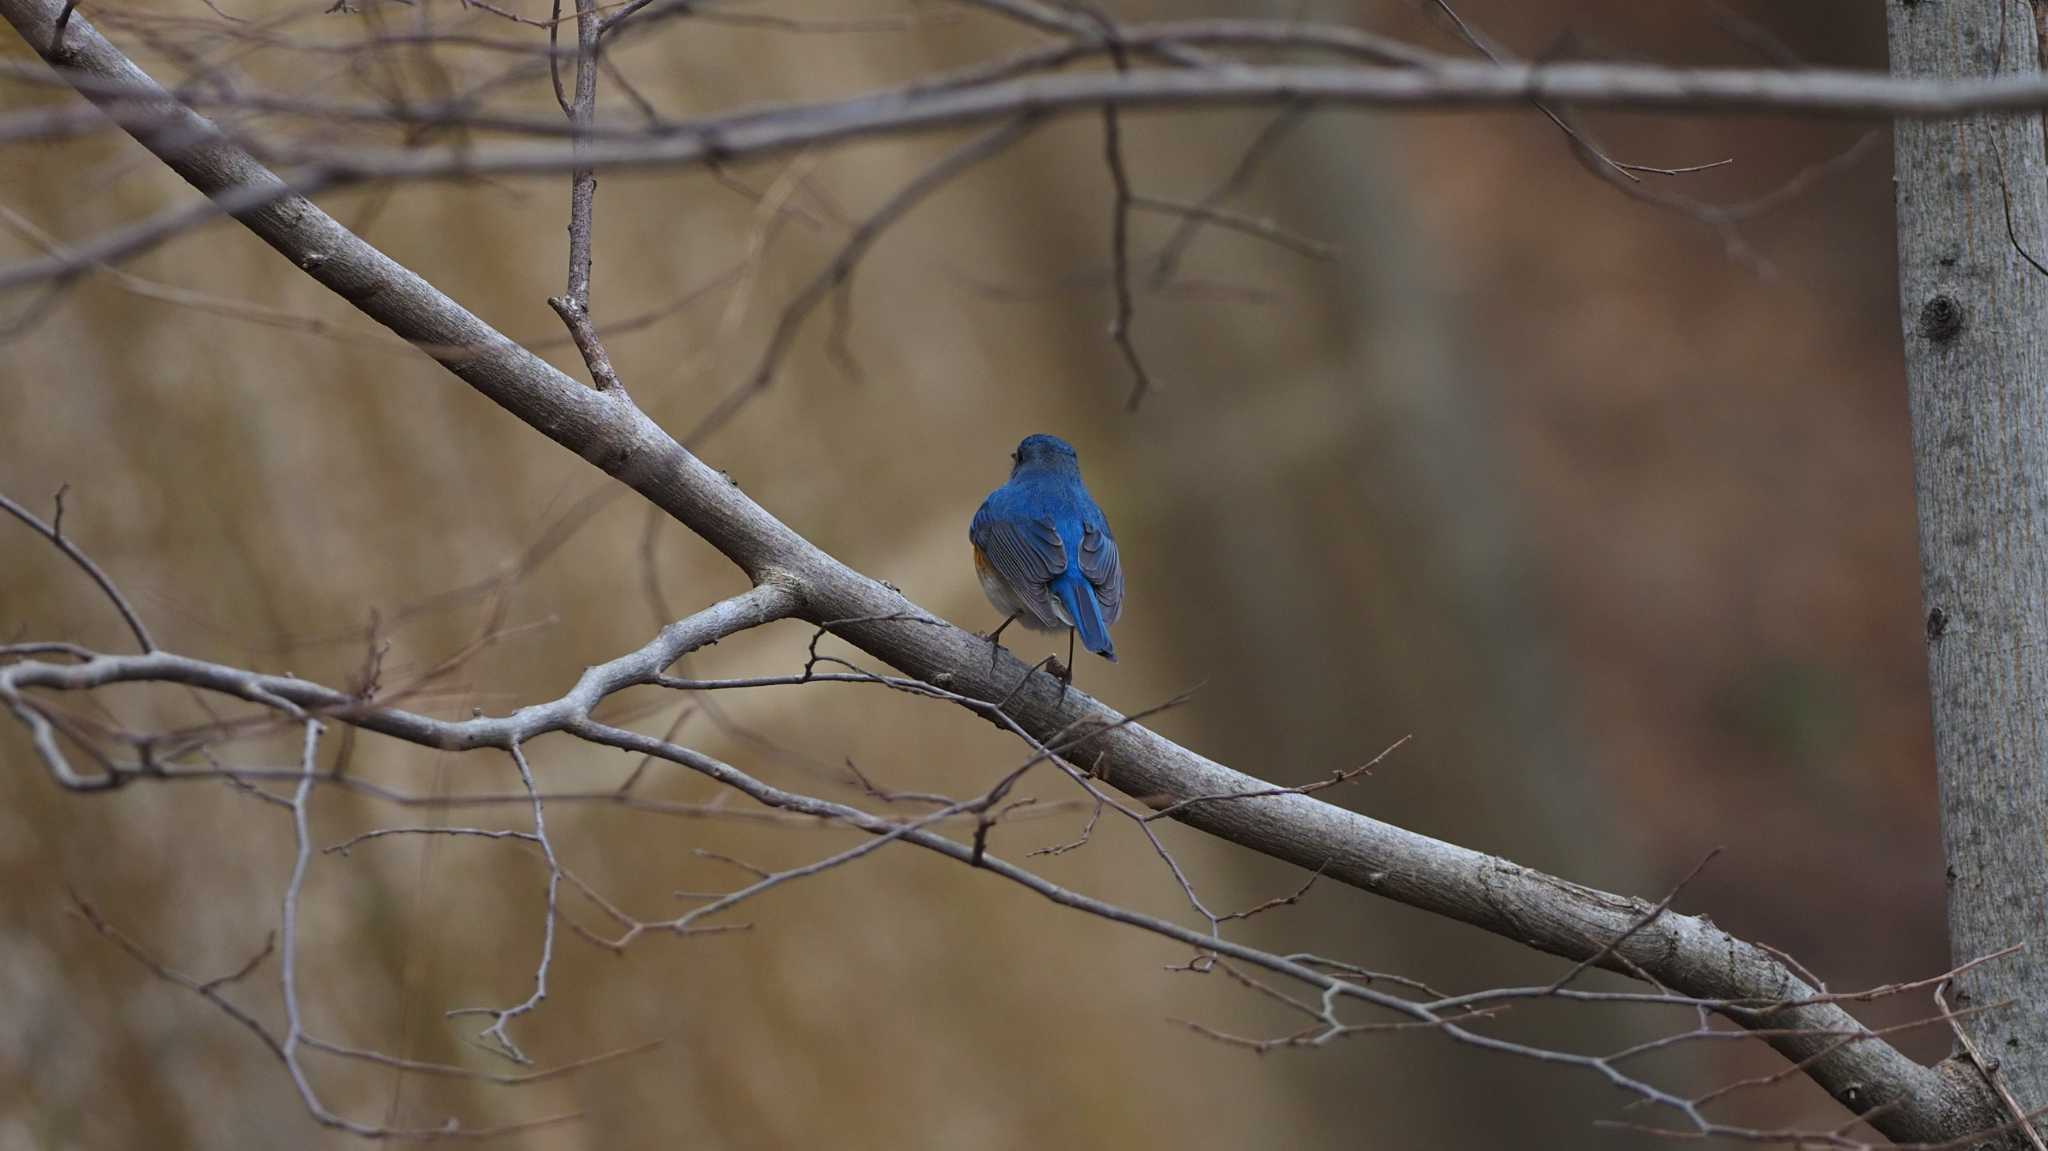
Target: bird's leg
1067,672
995,647
1007,621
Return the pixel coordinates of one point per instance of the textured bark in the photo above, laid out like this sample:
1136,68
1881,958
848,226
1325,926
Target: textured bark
1973,199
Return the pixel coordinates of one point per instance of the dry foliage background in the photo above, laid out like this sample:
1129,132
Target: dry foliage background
1616,523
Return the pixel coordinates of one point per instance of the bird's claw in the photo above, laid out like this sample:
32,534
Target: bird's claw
1061,672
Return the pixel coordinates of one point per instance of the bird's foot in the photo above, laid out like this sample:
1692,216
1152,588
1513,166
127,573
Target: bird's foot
995,644
1061,672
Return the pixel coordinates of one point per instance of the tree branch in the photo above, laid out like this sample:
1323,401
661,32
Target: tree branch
54,532
142,108
1450,85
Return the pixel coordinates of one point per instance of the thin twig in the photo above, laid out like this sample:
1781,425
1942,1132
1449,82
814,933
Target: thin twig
1989,1069
842,265
495,1034
54,532
573,305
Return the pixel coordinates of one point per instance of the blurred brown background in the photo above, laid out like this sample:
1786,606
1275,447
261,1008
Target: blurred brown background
1611,514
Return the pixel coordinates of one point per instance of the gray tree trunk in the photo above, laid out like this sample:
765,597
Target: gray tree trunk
1972,200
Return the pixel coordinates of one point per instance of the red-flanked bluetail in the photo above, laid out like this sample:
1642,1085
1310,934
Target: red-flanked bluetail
1044,552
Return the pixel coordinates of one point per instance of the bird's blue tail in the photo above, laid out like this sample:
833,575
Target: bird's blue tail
1079,599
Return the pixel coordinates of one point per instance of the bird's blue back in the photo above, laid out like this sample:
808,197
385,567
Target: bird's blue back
1044,535
1035,494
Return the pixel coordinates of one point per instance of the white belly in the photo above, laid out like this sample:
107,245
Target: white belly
1003,600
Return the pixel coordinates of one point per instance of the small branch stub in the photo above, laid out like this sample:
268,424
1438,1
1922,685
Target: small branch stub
577,318
1941,319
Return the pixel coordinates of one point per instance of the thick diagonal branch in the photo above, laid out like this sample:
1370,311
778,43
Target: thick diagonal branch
1689,955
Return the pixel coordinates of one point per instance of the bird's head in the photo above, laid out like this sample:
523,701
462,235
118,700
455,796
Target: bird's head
1044,453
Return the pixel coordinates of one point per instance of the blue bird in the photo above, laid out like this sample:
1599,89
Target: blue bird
1043,550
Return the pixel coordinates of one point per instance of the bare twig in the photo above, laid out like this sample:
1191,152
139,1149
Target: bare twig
210,990
1989,1069
1167,263
1120,217
451,1071
54,532
343,847
837,271
1277,901
1254,226
790,128
573,305
1338,777
1642,921
495,1034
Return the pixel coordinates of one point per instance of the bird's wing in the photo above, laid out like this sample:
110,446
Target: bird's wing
1104,570
1026,553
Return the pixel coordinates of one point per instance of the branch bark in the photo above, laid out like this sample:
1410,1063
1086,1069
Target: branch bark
1973,225
1449,85
136,104
1904,1099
